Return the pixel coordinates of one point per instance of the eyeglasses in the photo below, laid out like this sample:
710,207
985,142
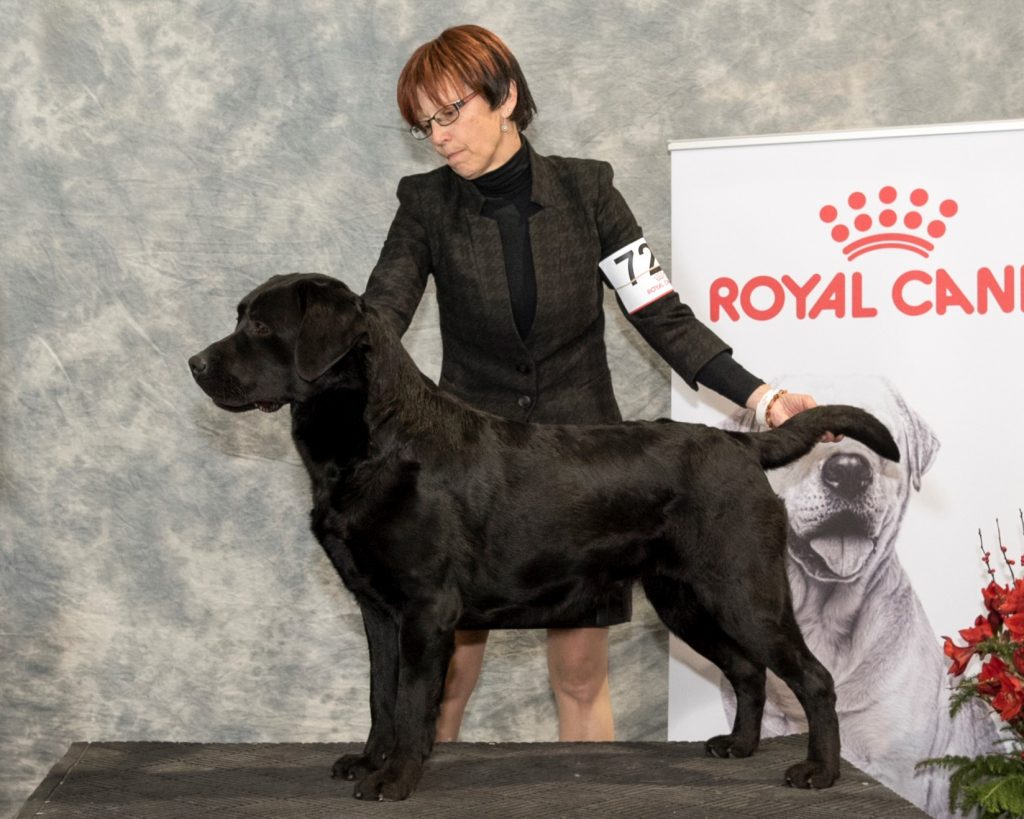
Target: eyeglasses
443,116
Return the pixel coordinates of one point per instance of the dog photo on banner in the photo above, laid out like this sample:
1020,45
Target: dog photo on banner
852,596
887,262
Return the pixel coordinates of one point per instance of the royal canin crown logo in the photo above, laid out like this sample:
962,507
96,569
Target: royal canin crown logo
891,223
891,220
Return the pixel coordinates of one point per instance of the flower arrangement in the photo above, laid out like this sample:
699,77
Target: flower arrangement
992,784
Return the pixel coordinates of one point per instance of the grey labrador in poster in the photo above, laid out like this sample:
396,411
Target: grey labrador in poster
856,605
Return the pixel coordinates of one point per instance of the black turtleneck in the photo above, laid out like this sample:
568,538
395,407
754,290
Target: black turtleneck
506,192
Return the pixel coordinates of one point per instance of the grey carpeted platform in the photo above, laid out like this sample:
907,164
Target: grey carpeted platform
530,780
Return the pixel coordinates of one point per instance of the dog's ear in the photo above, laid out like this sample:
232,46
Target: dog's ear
922,444
333,321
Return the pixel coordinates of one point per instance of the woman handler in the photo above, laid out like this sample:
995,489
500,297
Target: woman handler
520,246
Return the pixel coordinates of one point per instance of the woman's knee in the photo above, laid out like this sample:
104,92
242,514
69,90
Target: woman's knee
465,664
578,663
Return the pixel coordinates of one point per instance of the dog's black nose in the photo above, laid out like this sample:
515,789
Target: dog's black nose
197,364
847,474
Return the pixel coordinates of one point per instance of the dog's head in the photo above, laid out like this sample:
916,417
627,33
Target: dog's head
844,502
291,341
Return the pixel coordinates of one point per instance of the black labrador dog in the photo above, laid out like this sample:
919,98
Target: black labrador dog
430,509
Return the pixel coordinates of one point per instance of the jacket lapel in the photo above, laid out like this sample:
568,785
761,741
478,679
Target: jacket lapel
488,260
549,228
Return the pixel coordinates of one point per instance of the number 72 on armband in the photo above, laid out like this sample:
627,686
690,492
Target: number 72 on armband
635,275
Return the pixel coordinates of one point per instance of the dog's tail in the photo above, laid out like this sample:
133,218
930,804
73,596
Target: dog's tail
797,436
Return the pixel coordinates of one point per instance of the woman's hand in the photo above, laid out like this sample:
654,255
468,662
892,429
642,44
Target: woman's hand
787,405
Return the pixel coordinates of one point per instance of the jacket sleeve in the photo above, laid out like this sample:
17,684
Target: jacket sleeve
668,325
397,281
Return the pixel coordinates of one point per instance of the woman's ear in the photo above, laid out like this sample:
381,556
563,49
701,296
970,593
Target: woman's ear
508,107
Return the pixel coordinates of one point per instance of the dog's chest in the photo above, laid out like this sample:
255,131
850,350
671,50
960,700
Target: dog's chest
362,568
333,518
833,631
357,530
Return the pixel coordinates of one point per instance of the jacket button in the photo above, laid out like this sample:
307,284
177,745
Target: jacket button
523,368
525,401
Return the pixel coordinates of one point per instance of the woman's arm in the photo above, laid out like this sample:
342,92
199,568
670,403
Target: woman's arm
396,284
689,347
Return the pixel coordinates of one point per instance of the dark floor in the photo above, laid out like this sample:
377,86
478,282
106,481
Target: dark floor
529,780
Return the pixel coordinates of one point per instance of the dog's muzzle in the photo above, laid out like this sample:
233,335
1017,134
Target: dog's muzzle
839,547
227,393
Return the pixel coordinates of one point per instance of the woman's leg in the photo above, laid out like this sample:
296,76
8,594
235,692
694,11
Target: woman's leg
463,672
578,668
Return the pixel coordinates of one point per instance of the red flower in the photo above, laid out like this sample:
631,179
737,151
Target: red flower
1010,699
960,655
999,630
1015,625
994,594
982,631
1013,601
990,678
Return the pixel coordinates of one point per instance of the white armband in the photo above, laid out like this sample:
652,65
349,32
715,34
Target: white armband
635,275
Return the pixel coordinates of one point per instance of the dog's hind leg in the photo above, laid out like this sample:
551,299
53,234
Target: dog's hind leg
678,608
758,616
788,656
382,639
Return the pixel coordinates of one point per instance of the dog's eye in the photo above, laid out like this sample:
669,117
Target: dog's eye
259,328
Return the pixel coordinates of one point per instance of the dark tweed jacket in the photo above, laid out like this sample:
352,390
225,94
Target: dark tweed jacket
559,373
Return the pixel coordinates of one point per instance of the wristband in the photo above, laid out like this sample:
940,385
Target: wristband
764,407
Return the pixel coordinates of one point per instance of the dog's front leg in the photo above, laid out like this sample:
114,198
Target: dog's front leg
382,638
425,647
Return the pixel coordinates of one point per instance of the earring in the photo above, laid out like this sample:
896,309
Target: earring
504,125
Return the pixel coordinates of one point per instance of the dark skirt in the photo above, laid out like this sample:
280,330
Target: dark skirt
609,609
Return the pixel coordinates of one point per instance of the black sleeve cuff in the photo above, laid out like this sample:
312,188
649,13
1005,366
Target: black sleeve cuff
726,377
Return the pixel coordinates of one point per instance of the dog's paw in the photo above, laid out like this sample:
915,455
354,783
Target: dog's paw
730,745
392,783
354,766
813,775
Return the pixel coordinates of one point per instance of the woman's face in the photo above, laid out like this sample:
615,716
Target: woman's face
474,144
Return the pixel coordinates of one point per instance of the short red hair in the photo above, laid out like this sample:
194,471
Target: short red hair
464,55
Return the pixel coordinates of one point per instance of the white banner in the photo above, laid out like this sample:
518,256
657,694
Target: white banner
883,269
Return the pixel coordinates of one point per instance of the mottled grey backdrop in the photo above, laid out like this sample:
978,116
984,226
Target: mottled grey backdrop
159,158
